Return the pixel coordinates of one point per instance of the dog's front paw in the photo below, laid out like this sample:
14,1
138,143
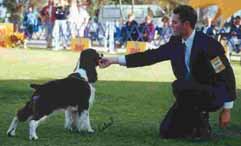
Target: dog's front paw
87,132
68,127
91,131
33,137
11,133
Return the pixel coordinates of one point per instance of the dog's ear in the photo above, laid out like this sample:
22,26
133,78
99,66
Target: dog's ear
91,74
35,86
89,59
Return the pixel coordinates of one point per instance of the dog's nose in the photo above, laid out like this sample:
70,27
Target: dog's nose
100,58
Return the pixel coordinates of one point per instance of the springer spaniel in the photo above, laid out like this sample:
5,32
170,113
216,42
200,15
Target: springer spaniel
74,94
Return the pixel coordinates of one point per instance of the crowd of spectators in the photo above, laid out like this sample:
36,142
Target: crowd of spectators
60,22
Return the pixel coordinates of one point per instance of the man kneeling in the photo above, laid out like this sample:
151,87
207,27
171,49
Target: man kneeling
205,80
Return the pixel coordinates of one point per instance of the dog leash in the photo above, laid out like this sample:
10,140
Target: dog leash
106,125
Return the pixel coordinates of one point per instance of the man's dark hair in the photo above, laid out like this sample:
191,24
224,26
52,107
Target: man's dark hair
186,13
237,17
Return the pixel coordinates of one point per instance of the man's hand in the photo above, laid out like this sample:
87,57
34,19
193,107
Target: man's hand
105,62
224,118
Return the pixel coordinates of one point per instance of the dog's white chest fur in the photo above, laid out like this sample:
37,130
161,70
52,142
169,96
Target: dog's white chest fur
82,73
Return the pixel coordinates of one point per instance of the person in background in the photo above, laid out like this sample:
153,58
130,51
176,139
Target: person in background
212,30
109,36
166,29
235,35
83,21
30,21
48,19
74,18
129,30
148,29
60,33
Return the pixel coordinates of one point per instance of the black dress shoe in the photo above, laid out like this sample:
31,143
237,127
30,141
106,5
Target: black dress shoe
203,129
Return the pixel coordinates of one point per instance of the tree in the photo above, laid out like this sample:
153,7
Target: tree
14,9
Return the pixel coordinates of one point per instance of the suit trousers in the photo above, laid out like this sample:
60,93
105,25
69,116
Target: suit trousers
188,117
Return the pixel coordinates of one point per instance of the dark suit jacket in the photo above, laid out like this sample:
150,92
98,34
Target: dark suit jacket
204,49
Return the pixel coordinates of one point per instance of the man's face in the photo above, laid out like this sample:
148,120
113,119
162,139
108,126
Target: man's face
238,21
51,2
148,20
131,18
30,9
177,26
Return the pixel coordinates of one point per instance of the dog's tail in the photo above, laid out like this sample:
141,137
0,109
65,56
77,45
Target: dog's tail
25,112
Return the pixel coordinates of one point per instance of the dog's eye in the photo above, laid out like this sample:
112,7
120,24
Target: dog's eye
101,56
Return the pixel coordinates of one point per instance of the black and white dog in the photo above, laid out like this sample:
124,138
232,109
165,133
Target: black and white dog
74,94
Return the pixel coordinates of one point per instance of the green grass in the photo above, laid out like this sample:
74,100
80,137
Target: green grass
137,99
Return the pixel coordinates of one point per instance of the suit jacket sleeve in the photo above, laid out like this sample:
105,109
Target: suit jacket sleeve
150,57
223,85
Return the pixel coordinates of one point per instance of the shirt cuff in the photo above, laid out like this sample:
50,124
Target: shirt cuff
228,105
122,60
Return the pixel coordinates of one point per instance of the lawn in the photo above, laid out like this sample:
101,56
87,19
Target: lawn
136,99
